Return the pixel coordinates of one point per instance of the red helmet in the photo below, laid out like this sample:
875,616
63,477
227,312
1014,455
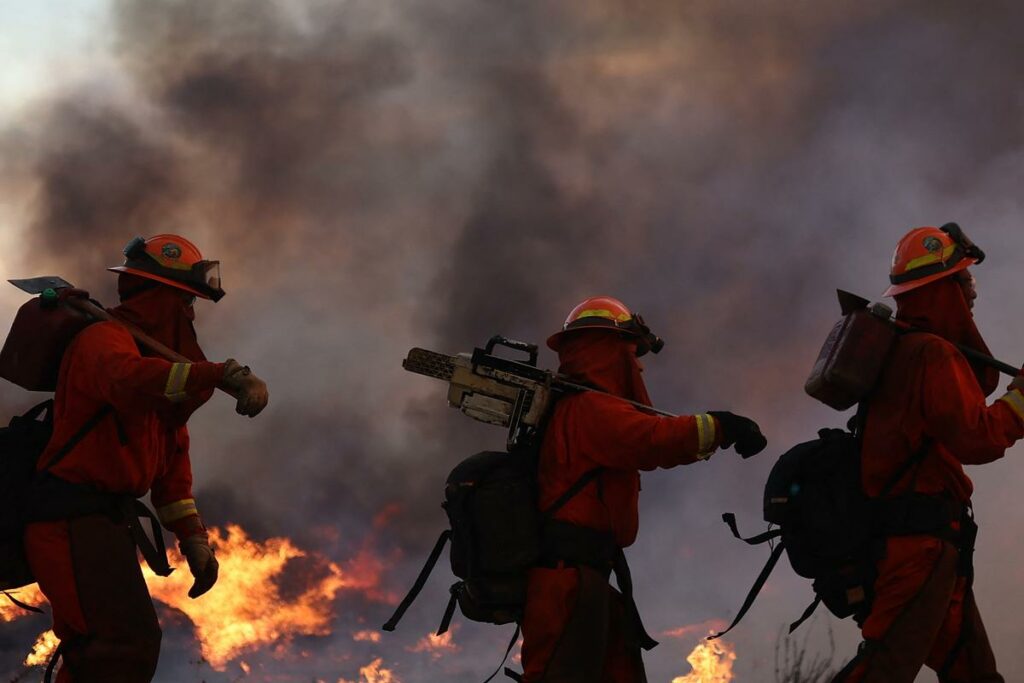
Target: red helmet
172,260
605,312
928,254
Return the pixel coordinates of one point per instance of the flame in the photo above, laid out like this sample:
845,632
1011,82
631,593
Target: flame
30,595
46,645
712,663
436,646
246,610
374,672
366,636
712,626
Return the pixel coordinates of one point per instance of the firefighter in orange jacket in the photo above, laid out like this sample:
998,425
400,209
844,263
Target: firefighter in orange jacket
82,546
576,627
929,412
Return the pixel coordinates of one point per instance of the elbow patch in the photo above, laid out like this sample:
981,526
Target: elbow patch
1015,400
176,379
172,512
706,436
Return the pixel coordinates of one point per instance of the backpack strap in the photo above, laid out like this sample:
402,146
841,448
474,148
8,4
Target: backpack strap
762,578
421,580
511,644
806,615
572,491
77,437
23,605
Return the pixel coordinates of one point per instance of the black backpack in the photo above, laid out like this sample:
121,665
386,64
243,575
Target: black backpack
829,529
21,444
491,502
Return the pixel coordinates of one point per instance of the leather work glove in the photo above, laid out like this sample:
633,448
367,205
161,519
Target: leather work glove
249,389
741,431
201,562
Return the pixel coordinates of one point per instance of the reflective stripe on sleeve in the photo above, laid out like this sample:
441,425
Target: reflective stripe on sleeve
175,389
705,435
1015,400
172,512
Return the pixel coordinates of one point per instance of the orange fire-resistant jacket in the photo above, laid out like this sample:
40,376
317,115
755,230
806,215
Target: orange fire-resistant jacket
145,446
589,430
930,391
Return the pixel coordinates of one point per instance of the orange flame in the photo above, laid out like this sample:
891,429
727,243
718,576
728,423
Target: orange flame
30,595
436,646
374,672
46,645
246,610
366,636
711,662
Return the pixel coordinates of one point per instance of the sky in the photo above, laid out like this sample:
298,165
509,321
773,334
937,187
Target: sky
378,175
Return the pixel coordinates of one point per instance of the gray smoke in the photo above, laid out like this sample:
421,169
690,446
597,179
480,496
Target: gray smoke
381,175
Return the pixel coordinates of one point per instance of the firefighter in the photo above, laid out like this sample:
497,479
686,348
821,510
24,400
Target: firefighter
82,546
576,627
930,405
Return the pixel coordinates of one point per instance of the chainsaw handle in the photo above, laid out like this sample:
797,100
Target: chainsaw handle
525,347
89,308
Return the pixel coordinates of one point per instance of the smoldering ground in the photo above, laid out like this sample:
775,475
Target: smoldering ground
376,176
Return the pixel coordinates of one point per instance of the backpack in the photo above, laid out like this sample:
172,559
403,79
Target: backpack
495,534
21,444
31,357
830,530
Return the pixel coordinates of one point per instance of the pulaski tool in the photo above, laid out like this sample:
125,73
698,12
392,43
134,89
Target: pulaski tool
48,288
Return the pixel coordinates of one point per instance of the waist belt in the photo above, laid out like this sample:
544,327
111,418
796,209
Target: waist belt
917,514
52,499
569,545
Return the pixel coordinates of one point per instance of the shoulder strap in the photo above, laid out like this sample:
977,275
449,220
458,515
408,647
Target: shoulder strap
916,459
571,492
421,580
89,425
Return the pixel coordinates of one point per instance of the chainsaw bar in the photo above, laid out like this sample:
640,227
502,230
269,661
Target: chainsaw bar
430,363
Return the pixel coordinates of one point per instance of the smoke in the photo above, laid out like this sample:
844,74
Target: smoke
380,175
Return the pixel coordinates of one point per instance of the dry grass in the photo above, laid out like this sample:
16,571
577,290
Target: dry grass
795,664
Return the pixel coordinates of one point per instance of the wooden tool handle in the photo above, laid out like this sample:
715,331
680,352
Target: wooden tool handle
89,308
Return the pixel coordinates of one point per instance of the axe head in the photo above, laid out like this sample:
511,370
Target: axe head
37,285
851,302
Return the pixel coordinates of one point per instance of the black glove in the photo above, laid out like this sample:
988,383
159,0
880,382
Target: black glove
741,431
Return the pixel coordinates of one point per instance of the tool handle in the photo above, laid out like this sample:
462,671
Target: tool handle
976,356
91,309
984,359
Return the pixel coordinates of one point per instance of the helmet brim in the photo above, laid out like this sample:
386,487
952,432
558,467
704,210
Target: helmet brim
556,340
904,287
162,280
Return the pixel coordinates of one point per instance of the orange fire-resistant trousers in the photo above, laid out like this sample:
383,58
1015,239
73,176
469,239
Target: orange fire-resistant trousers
923,614
576,630
102,612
